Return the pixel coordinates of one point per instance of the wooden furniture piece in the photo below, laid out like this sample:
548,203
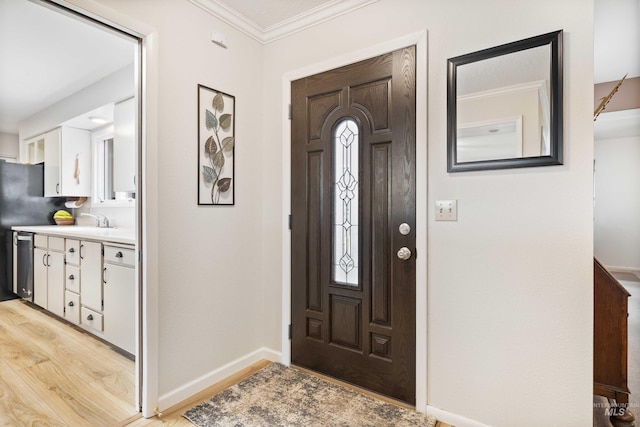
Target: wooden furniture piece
610,344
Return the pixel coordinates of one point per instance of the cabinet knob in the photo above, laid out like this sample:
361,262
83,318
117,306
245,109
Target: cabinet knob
71,277
71,250
70,304
119,255
90,317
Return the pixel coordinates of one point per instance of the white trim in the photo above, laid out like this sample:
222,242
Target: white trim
231,17
453,419
460,143
191,388
504,90
632,270
419,39
289,26
149,227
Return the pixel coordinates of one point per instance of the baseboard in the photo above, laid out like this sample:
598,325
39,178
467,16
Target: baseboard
453,419
191,388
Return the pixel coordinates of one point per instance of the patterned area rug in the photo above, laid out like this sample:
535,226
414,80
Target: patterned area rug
281,396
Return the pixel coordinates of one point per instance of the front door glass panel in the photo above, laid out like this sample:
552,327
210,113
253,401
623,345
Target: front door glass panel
345,203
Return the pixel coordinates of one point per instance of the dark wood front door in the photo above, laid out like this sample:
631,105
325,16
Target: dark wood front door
353,186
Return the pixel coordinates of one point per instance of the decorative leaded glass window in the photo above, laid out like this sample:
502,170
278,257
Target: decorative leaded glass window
345,203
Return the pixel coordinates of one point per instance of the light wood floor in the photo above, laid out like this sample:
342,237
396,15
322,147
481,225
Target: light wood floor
52,374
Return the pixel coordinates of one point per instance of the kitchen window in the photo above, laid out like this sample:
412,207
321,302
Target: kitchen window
103,170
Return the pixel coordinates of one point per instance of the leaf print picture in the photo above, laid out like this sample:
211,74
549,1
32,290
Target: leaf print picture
216,147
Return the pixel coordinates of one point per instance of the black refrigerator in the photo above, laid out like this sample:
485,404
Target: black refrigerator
22,202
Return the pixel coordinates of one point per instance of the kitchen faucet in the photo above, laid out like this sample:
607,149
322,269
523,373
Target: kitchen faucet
101,220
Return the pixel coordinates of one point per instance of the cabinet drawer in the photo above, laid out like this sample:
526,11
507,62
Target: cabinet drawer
72,279
72,255
92,319
56,244
40,241
72,307
119,256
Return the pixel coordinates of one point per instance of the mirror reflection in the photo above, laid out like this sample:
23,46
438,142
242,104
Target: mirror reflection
501,106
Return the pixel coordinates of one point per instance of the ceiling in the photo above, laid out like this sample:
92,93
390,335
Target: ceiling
52,55
267,14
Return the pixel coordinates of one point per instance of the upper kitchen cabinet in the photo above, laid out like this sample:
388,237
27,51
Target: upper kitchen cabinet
124,146
67,162
35,150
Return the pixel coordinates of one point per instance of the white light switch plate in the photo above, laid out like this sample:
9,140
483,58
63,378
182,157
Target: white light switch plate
446,210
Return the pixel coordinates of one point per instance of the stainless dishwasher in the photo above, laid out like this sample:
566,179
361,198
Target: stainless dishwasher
25,265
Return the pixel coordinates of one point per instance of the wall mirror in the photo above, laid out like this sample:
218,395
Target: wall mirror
504,106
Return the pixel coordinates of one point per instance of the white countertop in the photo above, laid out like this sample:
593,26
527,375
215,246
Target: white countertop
114,235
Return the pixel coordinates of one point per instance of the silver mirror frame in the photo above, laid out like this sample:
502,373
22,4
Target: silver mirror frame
554,40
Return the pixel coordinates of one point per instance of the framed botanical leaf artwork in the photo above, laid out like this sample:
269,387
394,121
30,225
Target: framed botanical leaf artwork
216,147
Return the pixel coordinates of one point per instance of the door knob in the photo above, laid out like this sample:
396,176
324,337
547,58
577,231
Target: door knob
404,253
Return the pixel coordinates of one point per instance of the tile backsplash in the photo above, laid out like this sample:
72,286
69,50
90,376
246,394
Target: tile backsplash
121,216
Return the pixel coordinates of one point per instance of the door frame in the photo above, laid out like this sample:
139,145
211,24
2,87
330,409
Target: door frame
419,39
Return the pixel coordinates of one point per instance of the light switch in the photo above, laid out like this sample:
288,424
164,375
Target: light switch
446,210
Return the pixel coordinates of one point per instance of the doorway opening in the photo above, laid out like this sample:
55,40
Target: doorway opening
69,74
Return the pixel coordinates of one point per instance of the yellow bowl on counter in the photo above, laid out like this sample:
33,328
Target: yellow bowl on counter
65,221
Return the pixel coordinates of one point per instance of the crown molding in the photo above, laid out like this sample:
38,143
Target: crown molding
285,28
536,85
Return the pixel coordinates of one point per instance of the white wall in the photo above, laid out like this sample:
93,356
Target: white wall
510,283
209,304
617,202
493,107
112,88
9,145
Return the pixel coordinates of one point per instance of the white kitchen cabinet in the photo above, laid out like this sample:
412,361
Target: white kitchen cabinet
91,319
48,274
120,297
55,282
89,283
124,146
52,163
72,307
72,248
40,277
67,162
35,150
91,275
72,281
